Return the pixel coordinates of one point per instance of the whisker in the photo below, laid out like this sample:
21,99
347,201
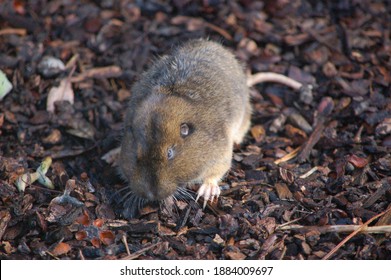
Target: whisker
140,203
185,194
120,191
129,194
129,200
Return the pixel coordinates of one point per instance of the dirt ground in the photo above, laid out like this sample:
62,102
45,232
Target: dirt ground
312,179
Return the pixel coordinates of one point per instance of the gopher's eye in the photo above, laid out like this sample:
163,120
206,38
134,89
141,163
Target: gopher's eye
170,153
186,129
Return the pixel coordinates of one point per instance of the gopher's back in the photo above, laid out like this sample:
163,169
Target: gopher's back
207,74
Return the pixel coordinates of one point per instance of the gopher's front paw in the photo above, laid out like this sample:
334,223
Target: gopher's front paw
209,190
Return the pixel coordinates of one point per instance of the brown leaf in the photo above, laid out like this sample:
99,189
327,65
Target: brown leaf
298,135
80,235
258,132
98,223
107,237
61,249
84,219
95,242
357,161
283,192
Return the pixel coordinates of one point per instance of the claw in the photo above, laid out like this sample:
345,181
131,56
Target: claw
209,191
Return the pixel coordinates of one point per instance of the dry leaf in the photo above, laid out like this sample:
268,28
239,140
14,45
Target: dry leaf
61,249
95,242
63,92
358,162
283,192
80,235
258,132
98,223
296,134
107,237
83,219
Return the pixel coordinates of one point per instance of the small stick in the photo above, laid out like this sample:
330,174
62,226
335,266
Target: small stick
98,73
309,172
126,244
140,252
81,255
361,228
219,30
311,142
17,31
287,157
336,228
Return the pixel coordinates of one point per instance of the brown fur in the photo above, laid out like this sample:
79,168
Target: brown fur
201,84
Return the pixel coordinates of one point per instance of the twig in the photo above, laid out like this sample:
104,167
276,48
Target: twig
311,142
361,228
248,183
98,73
81,255
10,31
140,252
385,185
286,225
336,228
309,172
219,30
53,256
287,157
126,244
